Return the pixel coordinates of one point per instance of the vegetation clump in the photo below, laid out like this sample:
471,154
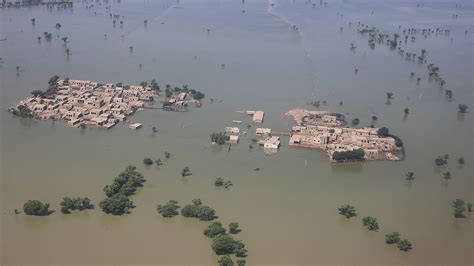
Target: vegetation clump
226,245
405,245
214,229
371,223
168,210
459,208
186,171
383,132
221,183
225,261
219,138
124,185
36,208
197,210
462,108
79,204
234,228
347,211
147,161
22,111
441,160
392,238
354,155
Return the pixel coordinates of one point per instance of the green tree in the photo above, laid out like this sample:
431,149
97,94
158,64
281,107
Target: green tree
459,208
225,261
214,229
440,161
167,155
355,121
53,80
185,171
371,223
392,238
410,176
447,175
117,204
170,209
234,228
241,262
219,138
347,211
356,155
462,108
389,95
36,208
383,132
405,245
223,245
406,110
147,161
37,93
461,161
219,182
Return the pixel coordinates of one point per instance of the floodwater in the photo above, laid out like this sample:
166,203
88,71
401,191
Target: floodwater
288,209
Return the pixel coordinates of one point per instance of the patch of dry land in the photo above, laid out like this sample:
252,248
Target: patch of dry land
325,131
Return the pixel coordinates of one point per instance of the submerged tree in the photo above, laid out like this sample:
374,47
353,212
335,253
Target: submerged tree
36,208
234,228
170,209
392,238
410,175
214,229
225,261
389,95
347,210
405,245
371,223
463,108
459,208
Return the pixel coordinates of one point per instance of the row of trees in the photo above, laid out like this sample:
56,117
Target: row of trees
222,243
354,155
371,224
124,185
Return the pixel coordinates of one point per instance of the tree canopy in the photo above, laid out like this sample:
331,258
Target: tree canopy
36,208
357,155
347,210
214,229
383,132
371,223
197,210
170,209
79,204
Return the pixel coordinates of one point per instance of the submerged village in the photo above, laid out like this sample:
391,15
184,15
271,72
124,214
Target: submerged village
83,103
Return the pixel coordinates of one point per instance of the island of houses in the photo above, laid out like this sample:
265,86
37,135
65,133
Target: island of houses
87,103
322,130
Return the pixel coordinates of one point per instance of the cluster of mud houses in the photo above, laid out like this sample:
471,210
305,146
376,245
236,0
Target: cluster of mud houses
83,102
339,139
